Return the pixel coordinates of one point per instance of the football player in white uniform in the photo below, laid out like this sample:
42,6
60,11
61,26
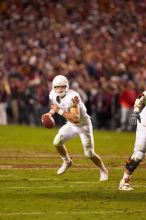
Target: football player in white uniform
68,104
138,117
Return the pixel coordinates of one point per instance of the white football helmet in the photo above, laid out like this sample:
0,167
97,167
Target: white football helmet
59,81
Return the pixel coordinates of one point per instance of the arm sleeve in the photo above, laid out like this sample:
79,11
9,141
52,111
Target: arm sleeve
140,102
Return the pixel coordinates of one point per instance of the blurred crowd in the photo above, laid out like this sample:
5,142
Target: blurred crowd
99,45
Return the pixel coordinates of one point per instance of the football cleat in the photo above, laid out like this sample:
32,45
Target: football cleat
103,175
64,167
123,186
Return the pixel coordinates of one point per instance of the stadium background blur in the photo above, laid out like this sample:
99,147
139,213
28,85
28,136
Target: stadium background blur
99,45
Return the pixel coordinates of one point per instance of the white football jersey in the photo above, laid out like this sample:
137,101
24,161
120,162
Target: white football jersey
66,103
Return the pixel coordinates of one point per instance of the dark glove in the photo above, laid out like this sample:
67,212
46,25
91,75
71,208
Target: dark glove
133,118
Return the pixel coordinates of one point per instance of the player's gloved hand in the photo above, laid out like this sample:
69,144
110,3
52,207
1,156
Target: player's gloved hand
133,118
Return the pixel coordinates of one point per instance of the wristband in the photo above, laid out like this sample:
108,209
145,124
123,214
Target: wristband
61,111
52,112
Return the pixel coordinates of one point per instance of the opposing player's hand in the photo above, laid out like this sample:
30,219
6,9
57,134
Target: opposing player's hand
133,118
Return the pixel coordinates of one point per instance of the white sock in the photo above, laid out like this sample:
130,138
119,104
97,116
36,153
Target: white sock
126,176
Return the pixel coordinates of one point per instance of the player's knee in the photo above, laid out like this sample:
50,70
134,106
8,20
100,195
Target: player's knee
57,141
138,156
89,153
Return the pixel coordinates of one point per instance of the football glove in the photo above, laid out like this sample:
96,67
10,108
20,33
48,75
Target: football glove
133,118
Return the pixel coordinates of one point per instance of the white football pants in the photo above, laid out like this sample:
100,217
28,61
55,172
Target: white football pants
140,140
68,131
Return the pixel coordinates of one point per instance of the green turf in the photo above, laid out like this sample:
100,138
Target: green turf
42,195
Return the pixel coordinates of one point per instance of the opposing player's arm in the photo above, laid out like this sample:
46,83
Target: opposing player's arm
140,102
138,106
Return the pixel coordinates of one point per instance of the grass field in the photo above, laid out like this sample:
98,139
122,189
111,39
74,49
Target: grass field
31,189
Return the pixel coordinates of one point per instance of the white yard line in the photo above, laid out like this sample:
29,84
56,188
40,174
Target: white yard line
33,187
21,155
73,184
21,213
6,175
49,168
42,179
62,213
54,179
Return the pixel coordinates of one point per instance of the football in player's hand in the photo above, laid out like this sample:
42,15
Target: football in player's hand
48,121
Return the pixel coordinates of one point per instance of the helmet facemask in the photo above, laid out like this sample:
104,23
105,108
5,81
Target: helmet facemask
60,85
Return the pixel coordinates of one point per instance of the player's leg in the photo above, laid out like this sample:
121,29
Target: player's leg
65,133
88,144
137,156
